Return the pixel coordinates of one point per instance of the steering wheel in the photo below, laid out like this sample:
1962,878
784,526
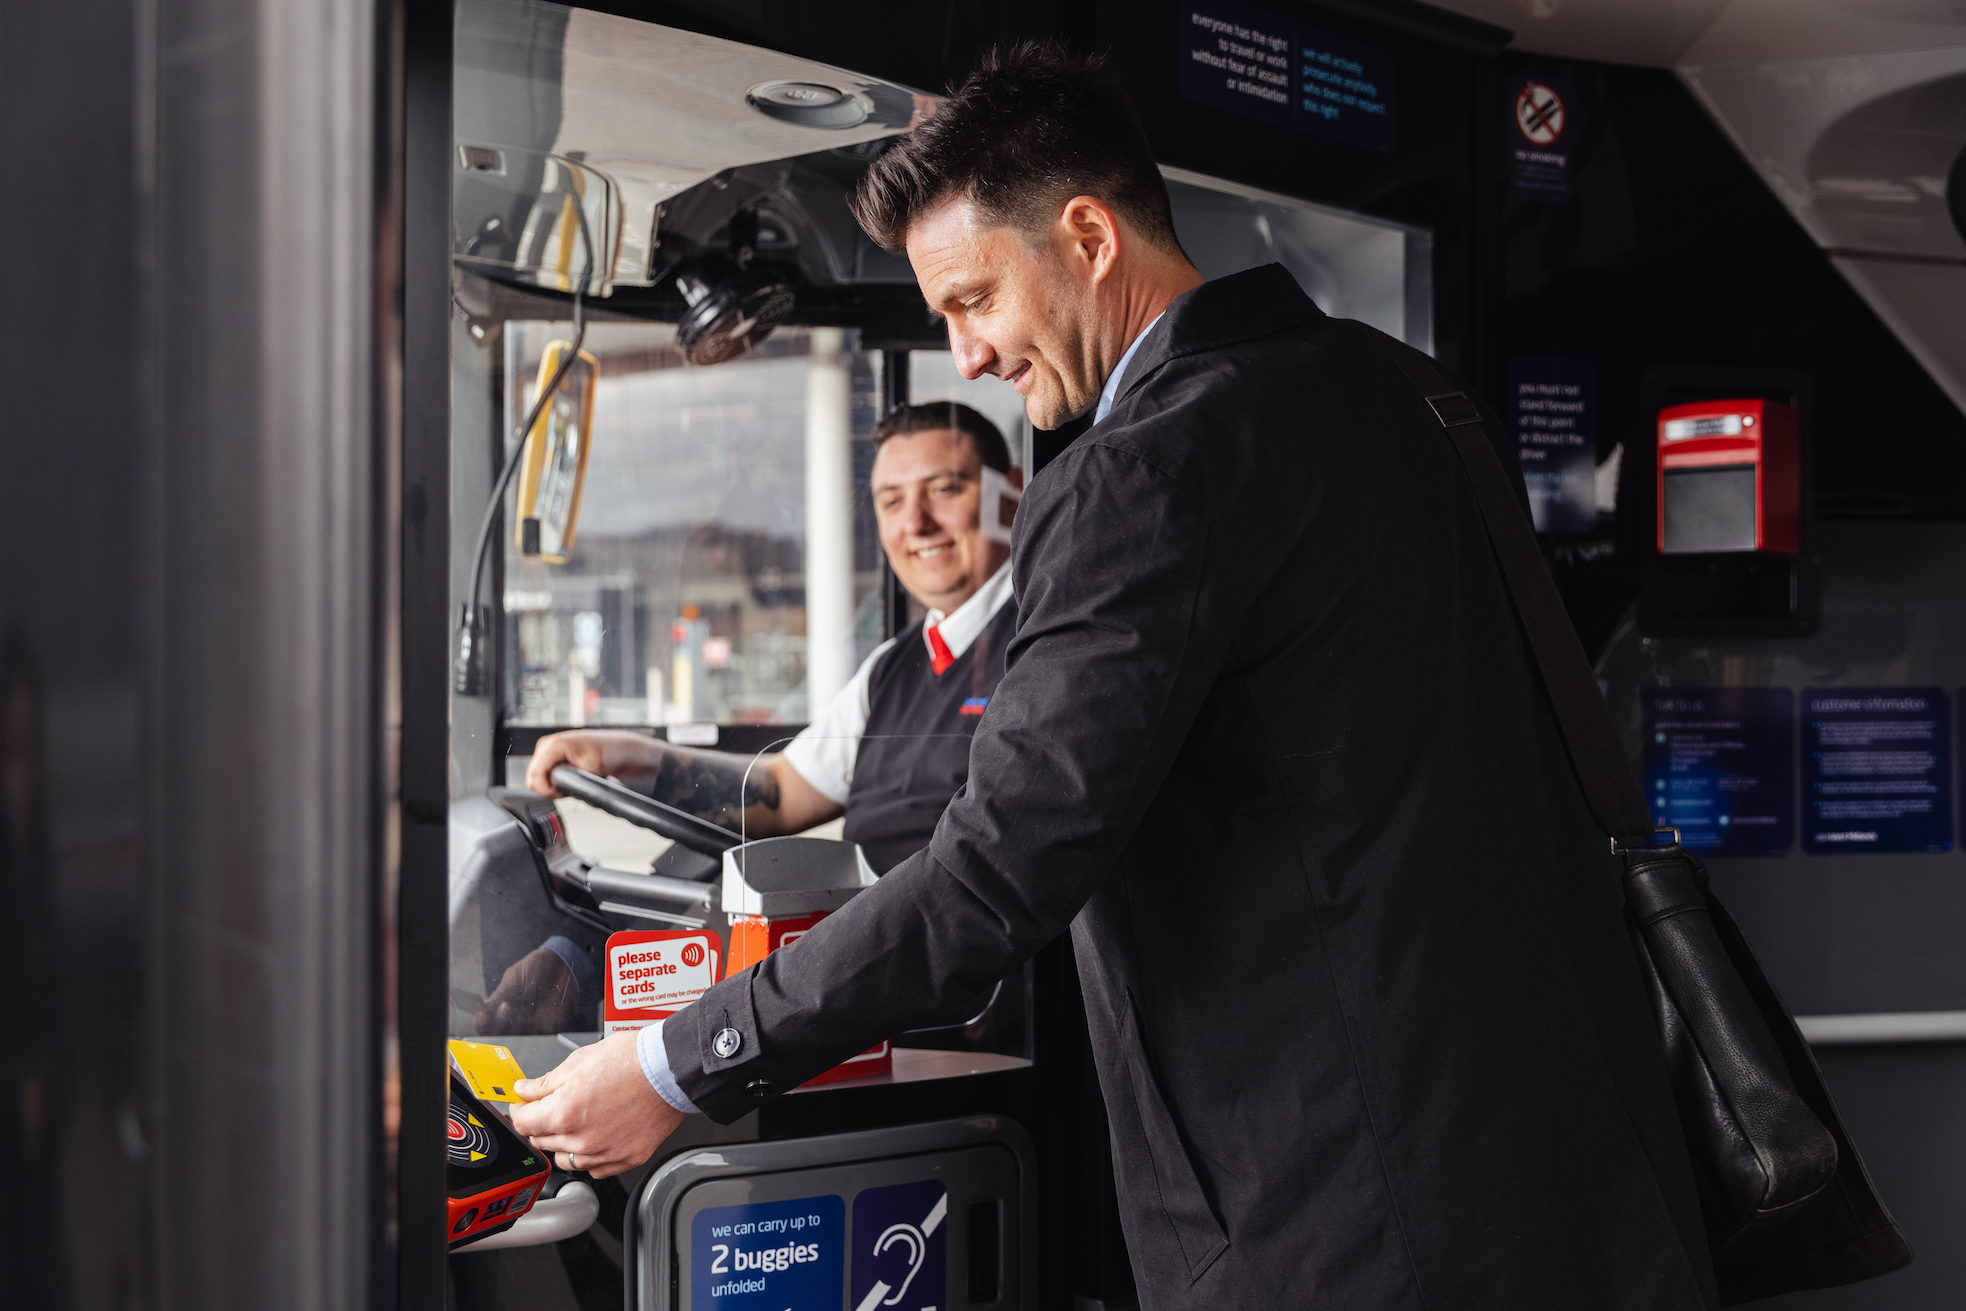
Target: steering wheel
625,803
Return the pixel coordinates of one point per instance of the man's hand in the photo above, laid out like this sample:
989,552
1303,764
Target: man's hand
597,1111
604,751
536,995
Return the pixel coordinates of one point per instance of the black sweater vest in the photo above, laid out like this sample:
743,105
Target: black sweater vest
915,754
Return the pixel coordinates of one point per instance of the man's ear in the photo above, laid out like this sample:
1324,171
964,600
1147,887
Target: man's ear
1092,234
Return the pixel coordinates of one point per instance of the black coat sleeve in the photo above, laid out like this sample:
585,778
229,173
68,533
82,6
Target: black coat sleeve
1111,661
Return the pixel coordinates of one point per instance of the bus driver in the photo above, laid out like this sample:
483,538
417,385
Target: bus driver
891,748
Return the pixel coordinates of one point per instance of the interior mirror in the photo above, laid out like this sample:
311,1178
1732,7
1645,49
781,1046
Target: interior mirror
555,466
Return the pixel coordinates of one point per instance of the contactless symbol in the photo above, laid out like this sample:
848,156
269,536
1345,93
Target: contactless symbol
468,1141
1539,114
693,954
726,1043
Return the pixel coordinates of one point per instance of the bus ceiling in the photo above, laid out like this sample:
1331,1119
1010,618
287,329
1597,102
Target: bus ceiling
676,146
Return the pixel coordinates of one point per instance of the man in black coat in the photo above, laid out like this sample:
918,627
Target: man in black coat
1366,1016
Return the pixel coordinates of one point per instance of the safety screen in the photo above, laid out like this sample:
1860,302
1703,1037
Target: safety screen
725,569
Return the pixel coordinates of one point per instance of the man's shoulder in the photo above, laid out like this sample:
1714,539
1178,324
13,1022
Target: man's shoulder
1236,392
1248,306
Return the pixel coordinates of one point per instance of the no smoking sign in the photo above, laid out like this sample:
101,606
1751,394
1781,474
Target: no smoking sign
1539,114
1539,152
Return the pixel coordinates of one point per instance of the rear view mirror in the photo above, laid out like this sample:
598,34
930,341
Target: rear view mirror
555,465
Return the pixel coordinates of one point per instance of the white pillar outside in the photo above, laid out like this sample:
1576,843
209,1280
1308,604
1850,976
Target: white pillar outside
829,521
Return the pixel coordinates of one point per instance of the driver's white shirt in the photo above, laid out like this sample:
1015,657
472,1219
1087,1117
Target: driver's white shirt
824,755
825,752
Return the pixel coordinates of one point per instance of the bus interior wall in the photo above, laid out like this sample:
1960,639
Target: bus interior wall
1670,251
1671,259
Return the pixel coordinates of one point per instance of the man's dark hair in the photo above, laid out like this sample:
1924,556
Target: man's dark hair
935,415
1032,127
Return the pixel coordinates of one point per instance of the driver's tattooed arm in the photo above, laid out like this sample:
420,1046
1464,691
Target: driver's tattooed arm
708,784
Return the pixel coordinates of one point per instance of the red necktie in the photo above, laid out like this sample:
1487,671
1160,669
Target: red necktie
938,650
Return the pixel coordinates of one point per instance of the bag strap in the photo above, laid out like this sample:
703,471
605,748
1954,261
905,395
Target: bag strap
1615,798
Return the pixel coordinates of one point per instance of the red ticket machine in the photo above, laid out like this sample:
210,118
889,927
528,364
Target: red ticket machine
753,937
775,890
1729,478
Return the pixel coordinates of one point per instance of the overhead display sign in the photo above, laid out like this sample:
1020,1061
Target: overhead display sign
1720,767
1553,413
1254,63
1539,149
1876,770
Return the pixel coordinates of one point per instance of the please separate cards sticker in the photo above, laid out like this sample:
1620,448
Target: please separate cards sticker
653,974
491,1070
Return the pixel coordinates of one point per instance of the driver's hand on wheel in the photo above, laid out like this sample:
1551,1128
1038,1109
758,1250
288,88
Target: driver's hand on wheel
596,1111
609,752
538,994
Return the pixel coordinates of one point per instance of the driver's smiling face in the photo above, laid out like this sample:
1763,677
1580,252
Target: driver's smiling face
927,496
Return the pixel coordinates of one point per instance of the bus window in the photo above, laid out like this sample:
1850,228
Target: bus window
932,376
1354,267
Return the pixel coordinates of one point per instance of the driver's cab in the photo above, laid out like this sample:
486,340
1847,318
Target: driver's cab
671,349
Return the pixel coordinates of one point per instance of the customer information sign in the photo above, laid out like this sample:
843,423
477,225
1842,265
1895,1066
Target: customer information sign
1876,770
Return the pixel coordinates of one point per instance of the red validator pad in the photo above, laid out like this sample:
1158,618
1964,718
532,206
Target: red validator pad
652,975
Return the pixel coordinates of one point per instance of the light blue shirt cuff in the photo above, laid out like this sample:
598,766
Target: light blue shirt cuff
580,963
655,1066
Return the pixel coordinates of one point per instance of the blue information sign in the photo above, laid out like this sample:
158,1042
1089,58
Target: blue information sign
1240,59
768,1256
1876,770
1720,767
1553,410
900,1247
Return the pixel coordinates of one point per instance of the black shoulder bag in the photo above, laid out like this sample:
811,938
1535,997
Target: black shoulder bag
1786,1200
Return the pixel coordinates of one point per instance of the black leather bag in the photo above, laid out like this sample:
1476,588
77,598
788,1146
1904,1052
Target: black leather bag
1787,1202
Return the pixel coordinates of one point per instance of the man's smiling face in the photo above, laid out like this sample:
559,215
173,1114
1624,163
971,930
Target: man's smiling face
1018,307
927,495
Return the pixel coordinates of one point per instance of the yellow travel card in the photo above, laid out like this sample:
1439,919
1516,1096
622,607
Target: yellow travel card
490,1069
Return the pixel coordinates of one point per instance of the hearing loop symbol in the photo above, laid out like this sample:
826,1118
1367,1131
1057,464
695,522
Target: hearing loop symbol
915,1239
917,1253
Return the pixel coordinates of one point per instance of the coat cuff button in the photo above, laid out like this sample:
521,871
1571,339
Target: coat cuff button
759,1089
726,1043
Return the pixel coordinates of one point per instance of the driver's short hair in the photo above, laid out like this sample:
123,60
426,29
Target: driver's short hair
1032,127
933,416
